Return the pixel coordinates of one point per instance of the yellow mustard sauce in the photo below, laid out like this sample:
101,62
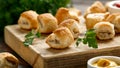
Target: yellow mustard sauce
105,63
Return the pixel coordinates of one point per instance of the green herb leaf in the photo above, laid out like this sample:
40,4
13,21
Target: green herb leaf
38,34
78,41
30,37
28,41
90,39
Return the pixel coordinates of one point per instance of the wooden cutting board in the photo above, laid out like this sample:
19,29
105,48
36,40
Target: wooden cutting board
40,55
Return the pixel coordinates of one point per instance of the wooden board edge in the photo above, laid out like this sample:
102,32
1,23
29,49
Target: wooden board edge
26,53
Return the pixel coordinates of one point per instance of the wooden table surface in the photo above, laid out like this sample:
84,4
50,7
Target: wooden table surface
82,5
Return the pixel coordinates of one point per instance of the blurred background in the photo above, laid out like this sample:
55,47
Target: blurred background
10,11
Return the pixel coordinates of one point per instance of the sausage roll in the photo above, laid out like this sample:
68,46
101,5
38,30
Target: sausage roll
115,19
117,24
67,13
104,30
92,19
72,25
96,7
48,23
61,38
7,60
28,20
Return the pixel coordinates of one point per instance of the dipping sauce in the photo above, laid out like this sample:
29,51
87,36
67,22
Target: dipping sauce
113,6
105,63
117,4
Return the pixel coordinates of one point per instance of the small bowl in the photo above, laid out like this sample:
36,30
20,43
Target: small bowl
95,59
111,8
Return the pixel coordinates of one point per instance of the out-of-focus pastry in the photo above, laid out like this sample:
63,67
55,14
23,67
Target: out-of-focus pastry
114,18
104,30
67,13
28,20
7,60
72,25
92,19
117,24
61,38
96,7
48,23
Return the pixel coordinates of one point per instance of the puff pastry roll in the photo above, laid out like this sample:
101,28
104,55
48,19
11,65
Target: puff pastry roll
92,19
72,25
7,60
104,30
48,23
115,19
28,20
96,7
67,13
117,24
61,38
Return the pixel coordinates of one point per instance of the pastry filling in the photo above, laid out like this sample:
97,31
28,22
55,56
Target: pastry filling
104,34
55,41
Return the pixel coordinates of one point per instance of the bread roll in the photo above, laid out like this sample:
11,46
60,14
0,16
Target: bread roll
7,60
28,20
48,23
96,7
67,13
92,19
61,38
104,30
72,25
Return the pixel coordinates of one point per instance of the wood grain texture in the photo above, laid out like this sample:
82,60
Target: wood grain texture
40,55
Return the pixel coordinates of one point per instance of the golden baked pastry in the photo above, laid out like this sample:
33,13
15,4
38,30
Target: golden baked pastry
67,13
96,7
104,30
7,60
92,19
115,19
28,20
61,38
72,25
48,23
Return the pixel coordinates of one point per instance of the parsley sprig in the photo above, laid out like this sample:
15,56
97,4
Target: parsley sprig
30,37
90,39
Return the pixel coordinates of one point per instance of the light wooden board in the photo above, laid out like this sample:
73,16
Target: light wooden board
40,55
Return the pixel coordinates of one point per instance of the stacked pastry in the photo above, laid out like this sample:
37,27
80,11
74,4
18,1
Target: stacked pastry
104,23
63,27
68,28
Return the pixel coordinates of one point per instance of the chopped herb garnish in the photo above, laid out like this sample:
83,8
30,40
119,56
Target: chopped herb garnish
30,37
90,39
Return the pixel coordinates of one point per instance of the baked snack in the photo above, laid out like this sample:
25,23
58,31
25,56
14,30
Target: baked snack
116,23
48,23
67,13
61,38
28,20
114,18
92,19
104,30
72,25
96,7
7,60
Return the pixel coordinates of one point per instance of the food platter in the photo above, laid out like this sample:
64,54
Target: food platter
40,55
